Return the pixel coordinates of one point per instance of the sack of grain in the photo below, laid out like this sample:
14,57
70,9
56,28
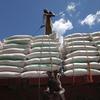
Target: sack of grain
44,49
80,38
96,34
87,43
45,40
98,47
95,72
9,74
53,35
23,41
79,47
33,74
82,49
41,37
44,44
96,38
47,60
93,65
19,37
81,72
76,72
42,55
1,45
7,46
74,35
14,50
18,63
13,56
82,59
97,42
83,53
41,67
10,68
75,66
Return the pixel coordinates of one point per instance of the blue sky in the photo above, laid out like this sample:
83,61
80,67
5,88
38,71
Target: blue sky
25,16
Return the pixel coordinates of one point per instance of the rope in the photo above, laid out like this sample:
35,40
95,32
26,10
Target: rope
50,54
96,45
88,63
39,71
60,56
42,26
73,66
73,78
98,53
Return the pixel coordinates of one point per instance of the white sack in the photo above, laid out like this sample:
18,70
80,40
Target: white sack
10,68
81,38
41,67
14,50
34,74
95,72
96,38
79,43
44,49
83,53
76,72
7,46
81,72
96,34
98,47
74,35
42,55
93,65
41,37
22,41
80,47
82,59
9,74
97,42
45,40
48,60
45,44
13,56
18,63
1,45
19,37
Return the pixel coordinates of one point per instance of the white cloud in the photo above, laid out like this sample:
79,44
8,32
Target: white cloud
91,19
62,14
61,26
98,16
71,7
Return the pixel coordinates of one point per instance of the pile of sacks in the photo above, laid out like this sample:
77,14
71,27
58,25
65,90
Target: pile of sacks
44,56
13,55
96,39
28,56
82,54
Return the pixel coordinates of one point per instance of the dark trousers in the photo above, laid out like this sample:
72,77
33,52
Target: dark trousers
53,96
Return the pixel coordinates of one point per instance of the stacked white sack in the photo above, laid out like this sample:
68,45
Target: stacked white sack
12,56
96,39
1,45
81,53
17,44
34,74
44,55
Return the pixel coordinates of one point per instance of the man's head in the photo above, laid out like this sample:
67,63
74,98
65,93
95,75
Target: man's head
49,73
52,73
